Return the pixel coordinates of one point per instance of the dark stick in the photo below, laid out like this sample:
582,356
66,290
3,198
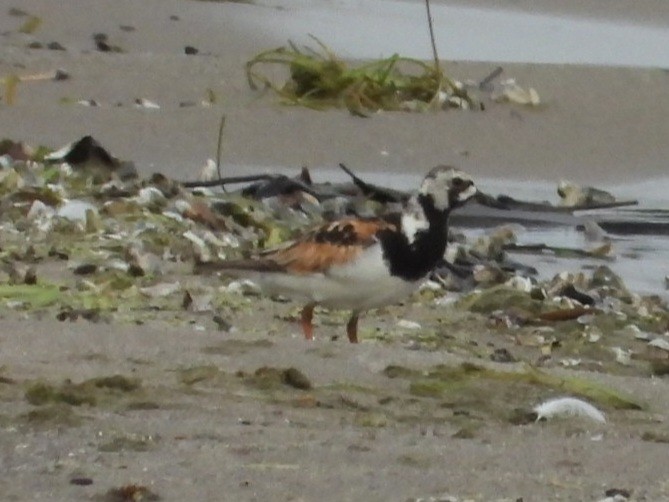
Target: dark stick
228,181
492,76
219,147
432,39
373,192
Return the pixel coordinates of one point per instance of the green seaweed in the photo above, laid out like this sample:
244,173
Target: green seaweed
33,295
319,79
90,392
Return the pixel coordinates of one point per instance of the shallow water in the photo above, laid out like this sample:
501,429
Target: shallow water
370,29
641,259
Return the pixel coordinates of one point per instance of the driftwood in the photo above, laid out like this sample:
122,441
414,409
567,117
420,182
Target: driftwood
504,202
486,210
562,252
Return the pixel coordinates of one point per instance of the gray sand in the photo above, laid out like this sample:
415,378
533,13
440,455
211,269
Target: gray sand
223,443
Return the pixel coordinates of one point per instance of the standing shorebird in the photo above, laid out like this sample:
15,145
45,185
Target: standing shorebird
356,263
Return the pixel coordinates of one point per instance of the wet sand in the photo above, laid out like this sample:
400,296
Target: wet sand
647,12
220,440
597,125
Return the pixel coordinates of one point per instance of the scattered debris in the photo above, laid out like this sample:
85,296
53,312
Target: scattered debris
102,43
572,195
510,91
130,493
81,481
146,103
87,155
268,378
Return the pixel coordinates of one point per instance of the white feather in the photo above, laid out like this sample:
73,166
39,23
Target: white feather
568,406
413,222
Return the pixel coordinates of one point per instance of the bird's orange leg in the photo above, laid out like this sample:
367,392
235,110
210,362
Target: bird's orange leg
352,328
305,322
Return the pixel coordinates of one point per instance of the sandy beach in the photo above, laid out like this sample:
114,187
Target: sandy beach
597,124
199,427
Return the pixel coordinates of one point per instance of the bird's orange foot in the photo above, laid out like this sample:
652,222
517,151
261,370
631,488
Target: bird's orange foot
352,328
305,322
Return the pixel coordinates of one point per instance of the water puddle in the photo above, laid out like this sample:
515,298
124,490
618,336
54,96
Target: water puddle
367,29
640,234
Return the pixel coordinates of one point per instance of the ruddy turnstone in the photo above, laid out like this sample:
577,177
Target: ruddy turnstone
359,264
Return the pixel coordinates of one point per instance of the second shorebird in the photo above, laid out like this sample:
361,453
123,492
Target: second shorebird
357,263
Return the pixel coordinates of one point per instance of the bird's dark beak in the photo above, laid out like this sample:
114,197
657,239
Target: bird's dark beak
466,192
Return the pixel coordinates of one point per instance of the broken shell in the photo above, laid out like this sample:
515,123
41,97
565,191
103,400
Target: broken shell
39,209
242,287
659,343
406,324
161,289
75,210
513,93
146,103
149,196
633,331
573,195
593,333
520,283
199,246
623,356
489,274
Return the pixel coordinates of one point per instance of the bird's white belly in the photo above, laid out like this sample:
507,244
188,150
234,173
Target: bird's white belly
364,284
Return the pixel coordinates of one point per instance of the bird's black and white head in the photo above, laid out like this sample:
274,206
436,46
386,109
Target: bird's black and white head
446,188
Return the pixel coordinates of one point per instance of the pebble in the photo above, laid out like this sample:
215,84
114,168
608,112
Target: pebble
406,324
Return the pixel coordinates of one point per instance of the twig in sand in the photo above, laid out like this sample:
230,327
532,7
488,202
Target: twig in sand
484,84
219,147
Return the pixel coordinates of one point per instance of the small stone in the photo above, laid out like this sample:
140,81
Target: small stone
85,269
221,323
295,378
502,355
618,492
81,481
55,46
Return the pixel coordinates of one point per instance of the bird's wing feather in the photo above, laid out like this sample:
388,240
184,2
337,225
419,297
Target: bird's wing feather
330,244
